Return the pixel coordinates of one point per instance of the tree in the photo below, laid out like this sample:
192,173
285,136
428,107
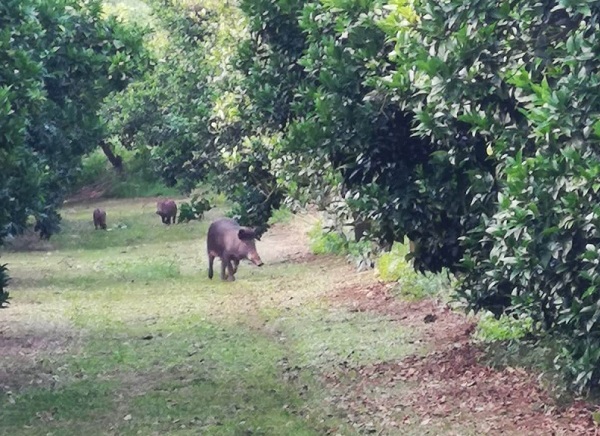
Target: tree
516,82
60,60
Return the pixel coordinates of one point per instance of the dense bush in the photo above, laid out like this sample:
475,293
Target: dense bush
194,210
475,138
504,328
517,82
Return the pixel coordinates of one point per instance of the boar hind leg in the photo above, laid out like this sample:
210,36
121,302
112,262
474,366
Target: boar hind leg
236,263
211,261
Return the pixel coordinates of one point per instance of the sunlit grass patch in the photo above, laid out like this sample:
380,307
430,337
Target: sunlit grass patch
124,229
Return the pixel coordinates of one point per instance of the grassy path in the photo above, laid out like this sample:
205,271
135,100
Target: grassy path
121,332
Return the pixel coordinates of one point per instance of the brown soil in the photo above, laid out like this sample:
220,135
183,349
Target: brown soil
287,242
450,387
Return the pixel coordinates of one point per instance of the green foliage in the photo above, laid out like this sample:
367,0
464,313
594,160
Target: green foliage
393,266
60,60
253,208
527,109
336,241
283,215
194,210
471,131
323,242
94,168
136,180
505,328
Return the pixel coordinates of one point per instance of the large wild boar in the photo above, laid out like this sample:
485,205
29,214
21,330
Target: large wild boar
231,243
99,219
167,209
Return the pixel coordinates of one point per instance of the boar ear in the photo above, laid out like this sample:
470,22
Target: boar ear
245,233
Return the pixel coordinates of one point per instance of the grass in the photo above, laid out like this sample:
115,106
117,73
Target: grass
121,331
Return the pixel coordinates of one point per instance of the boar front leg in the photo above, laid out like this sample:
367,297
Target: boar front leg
227,269
224,262
230,271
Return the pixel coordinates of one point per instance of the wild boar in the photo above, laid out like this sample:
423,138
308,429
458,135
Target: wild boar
99,219
231,243
167,209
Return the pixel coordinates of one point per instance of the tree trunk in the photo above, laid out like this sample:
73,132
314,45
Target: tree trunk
115,160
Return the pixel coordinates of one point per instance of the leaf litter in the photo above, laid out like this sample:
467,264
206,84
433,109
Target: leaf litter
448,389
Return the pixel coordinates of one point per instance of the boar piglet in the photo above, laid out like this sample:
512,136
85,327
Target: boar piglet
99,219
231,243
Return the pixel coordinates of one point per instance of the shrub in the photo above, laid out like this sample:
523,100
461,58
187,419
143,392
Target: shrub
194,210
393,266
514,121
283,215
507,327
327,242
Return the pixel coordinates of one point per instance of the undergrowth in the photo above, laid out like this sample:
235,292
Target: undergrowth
136,180
391,266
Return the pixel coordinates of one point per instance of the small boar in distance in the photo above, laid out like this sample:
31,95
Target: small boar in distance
99,216
167,210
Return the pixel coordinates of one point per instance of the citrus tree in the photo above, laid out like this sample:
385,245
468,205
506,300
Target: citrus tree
60,59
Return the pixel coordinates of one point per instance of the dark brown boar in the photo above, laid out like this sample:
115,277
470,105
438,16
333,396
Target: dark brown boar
231,243
167,209
99,219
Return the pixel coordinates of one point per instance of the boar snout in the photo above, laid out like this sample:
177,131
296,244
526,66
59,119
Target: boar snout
255,259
